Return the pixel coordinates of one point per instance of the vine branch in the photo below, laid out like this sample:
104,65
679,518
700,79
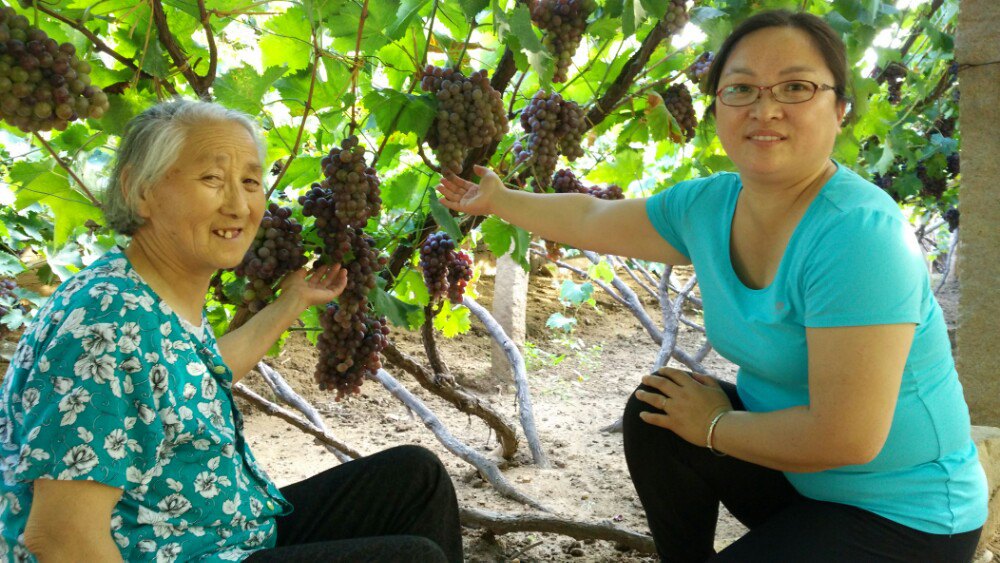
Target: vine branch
169,41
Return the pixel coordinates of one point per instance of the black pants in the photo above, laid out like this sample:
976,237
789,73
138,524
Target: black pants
396,505
680,486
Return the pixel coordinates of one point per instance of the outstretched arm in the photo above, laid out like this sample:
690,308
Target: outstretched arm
609,227
244,347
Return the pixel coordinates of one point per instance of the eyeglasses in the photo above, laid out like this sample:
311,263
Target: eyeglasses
787,92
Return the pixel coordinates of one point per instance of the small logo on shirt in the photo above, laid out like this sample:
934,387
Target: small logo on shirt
779,306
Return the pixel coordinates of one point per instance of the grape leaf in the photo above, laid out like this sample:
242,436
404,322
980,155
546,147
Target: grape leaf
521,27
442,215
288,40
415,113
497,234
559,321
452,320
243,88
10,266
575,294
397,311
471,8
408,11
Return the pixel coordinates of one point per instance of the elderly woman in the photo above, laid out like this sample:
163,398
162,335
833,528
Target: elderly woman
846,437
120,436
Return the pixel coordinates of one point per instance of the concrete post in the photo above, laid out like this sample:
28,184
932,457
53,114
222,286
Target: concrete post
978,45
510,302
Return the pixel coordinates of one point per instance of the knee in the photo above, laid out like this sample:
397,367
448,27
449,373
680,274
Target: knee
417,461
419,548
639,434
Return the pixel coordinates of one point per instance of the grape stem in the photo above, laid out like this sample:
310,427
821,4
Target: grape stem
302,125
68,170
355,68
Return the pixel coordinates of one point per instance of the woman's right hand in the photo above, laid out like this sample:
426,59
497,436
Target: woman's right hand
467,197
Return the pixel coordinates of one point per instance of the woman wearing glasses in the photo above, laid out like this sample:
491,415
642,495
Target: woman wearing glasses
846,437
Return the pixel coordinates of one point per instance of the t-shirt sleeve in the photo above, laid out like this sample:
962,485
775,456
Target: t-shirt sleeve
867,269
88,405
667,211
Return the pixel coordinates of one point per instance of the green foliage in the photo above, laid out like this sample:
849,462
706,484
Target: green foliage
366,83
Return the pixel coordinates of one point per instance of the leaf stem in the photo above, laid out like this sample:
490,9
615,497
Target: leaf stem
69,170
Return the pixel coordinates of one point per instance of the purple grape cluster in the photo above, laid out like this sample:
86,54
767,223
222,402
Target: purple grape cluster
934,183
553,126
563,22
565,182
677,98
951,216
276,250
446,271
43,85
895,75
699,69
342,205
349,351
470,115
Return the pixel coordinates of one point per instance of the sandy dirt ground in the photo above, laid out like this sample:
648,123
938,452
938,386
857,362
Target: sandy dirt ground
573,399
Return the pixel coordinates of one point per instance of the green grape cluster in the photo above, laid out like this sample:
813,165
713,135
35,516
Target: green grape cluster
563,22
470,115
43,85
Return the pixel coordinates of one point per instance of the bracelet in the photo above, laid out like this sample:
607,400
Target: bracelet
711,434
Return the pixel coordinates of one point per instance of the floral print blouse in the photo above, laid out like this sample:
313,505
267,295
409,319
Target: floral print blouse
109,384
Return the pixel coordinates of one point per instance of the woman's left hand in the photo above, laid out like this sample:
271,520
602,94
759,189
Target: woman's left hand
318,286
688,401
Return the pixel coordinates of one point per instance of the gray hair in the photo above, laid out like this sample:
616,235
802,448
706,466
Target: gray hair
151,144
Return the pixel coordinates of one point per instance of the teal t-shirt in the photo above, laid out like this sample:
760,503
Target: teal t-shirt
852,261
108,384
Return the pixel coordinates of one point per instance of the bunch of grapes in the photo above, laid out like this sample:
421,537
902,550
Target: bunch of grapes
459,274
43,85
348,351
470,115
434,261
676,16
952,216
884,181
699,68
894,75
446,271
349,192
945,126
553,126
934,184
678,101
342,205
563,22
954,166
565,182
276,250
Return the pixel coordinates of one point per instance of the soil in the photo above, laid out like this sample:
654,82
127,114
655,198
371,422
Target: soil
574,398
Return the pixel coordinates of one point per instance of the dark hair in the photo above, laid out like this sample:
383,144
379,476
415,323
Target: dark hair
823,37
